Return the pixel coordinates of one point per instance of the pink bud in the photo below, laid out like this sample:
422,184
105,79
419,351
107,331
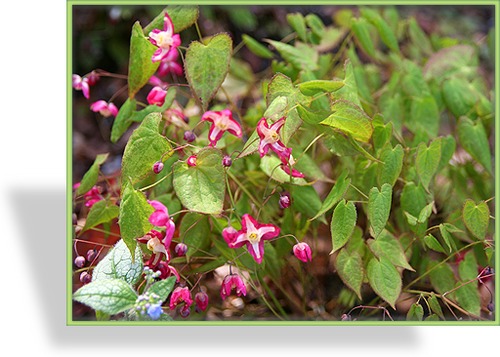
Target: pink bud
157,167
93,77
91,253
85,277
226,161
230,282
302,251
201,299
156,96
191,161
181,249
285,200
189,136
80,261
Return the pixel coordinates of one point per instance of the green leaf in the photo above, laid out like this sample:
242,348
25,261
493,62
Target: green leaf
415,313
434,305
145,147
343,223
413,199
450,60
119,264
447,238
350,119
361,30
427,161
336,193
314,22
140,67
424,115
468,298
473,138
207,65
301,56
91,176
312,117
425,213
134,215
256,47
442,278
306,201
476,217
418,37
182,16
163,288
384,30
194,232
349,266
448,146
318,86
431,242
101,212
271,165
384,280
123,119
110,296
379,207
201,188
460,96
386,245
468,268
298,24
349,91
392,159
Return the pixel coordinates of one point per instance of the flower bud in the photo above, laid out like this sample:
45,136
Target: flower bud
80,261
189,136
227,161
157,167
91,253
346,317
285,200
302,251
191,161
85,277
185,311
491,307
201,299
180,249
93,77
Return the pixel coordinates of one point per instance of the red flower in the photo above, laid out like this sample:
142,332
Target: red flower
230,282
221,121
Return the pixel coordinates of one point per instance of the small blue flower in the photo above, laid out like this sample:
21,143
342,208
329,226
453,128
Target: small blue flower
155,311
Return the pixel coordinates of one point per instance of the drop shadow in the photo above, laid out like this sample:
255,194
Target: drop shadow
44,242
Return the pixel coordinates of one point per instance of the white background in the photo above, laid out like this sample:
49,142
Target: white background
33,235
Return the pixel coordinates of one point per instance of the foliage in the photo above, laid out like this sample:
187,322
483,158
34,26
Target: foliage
368,139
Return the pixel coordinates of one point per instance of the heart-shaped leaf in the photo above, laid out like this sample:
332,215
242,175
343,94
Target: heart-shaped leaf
207,65
476,217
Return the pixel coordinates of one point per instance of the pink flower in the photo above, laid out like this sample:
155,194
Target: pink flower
82,84
179,296
221,121
165,40
92,196
155,81
253,234
169,64
270,138
154,242
302,251
104,108
160,218
201,299
191,161
167,271
230,282
156,96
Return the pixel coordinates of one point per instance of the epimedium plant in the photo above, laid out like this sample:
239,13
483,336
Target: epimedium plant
389,129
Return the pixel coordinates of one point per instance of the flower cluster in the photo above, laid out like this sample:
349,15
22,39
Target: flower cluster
149,304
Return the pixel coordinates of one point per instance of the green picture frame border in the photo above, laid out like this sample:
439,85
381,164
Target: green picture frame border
69,166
